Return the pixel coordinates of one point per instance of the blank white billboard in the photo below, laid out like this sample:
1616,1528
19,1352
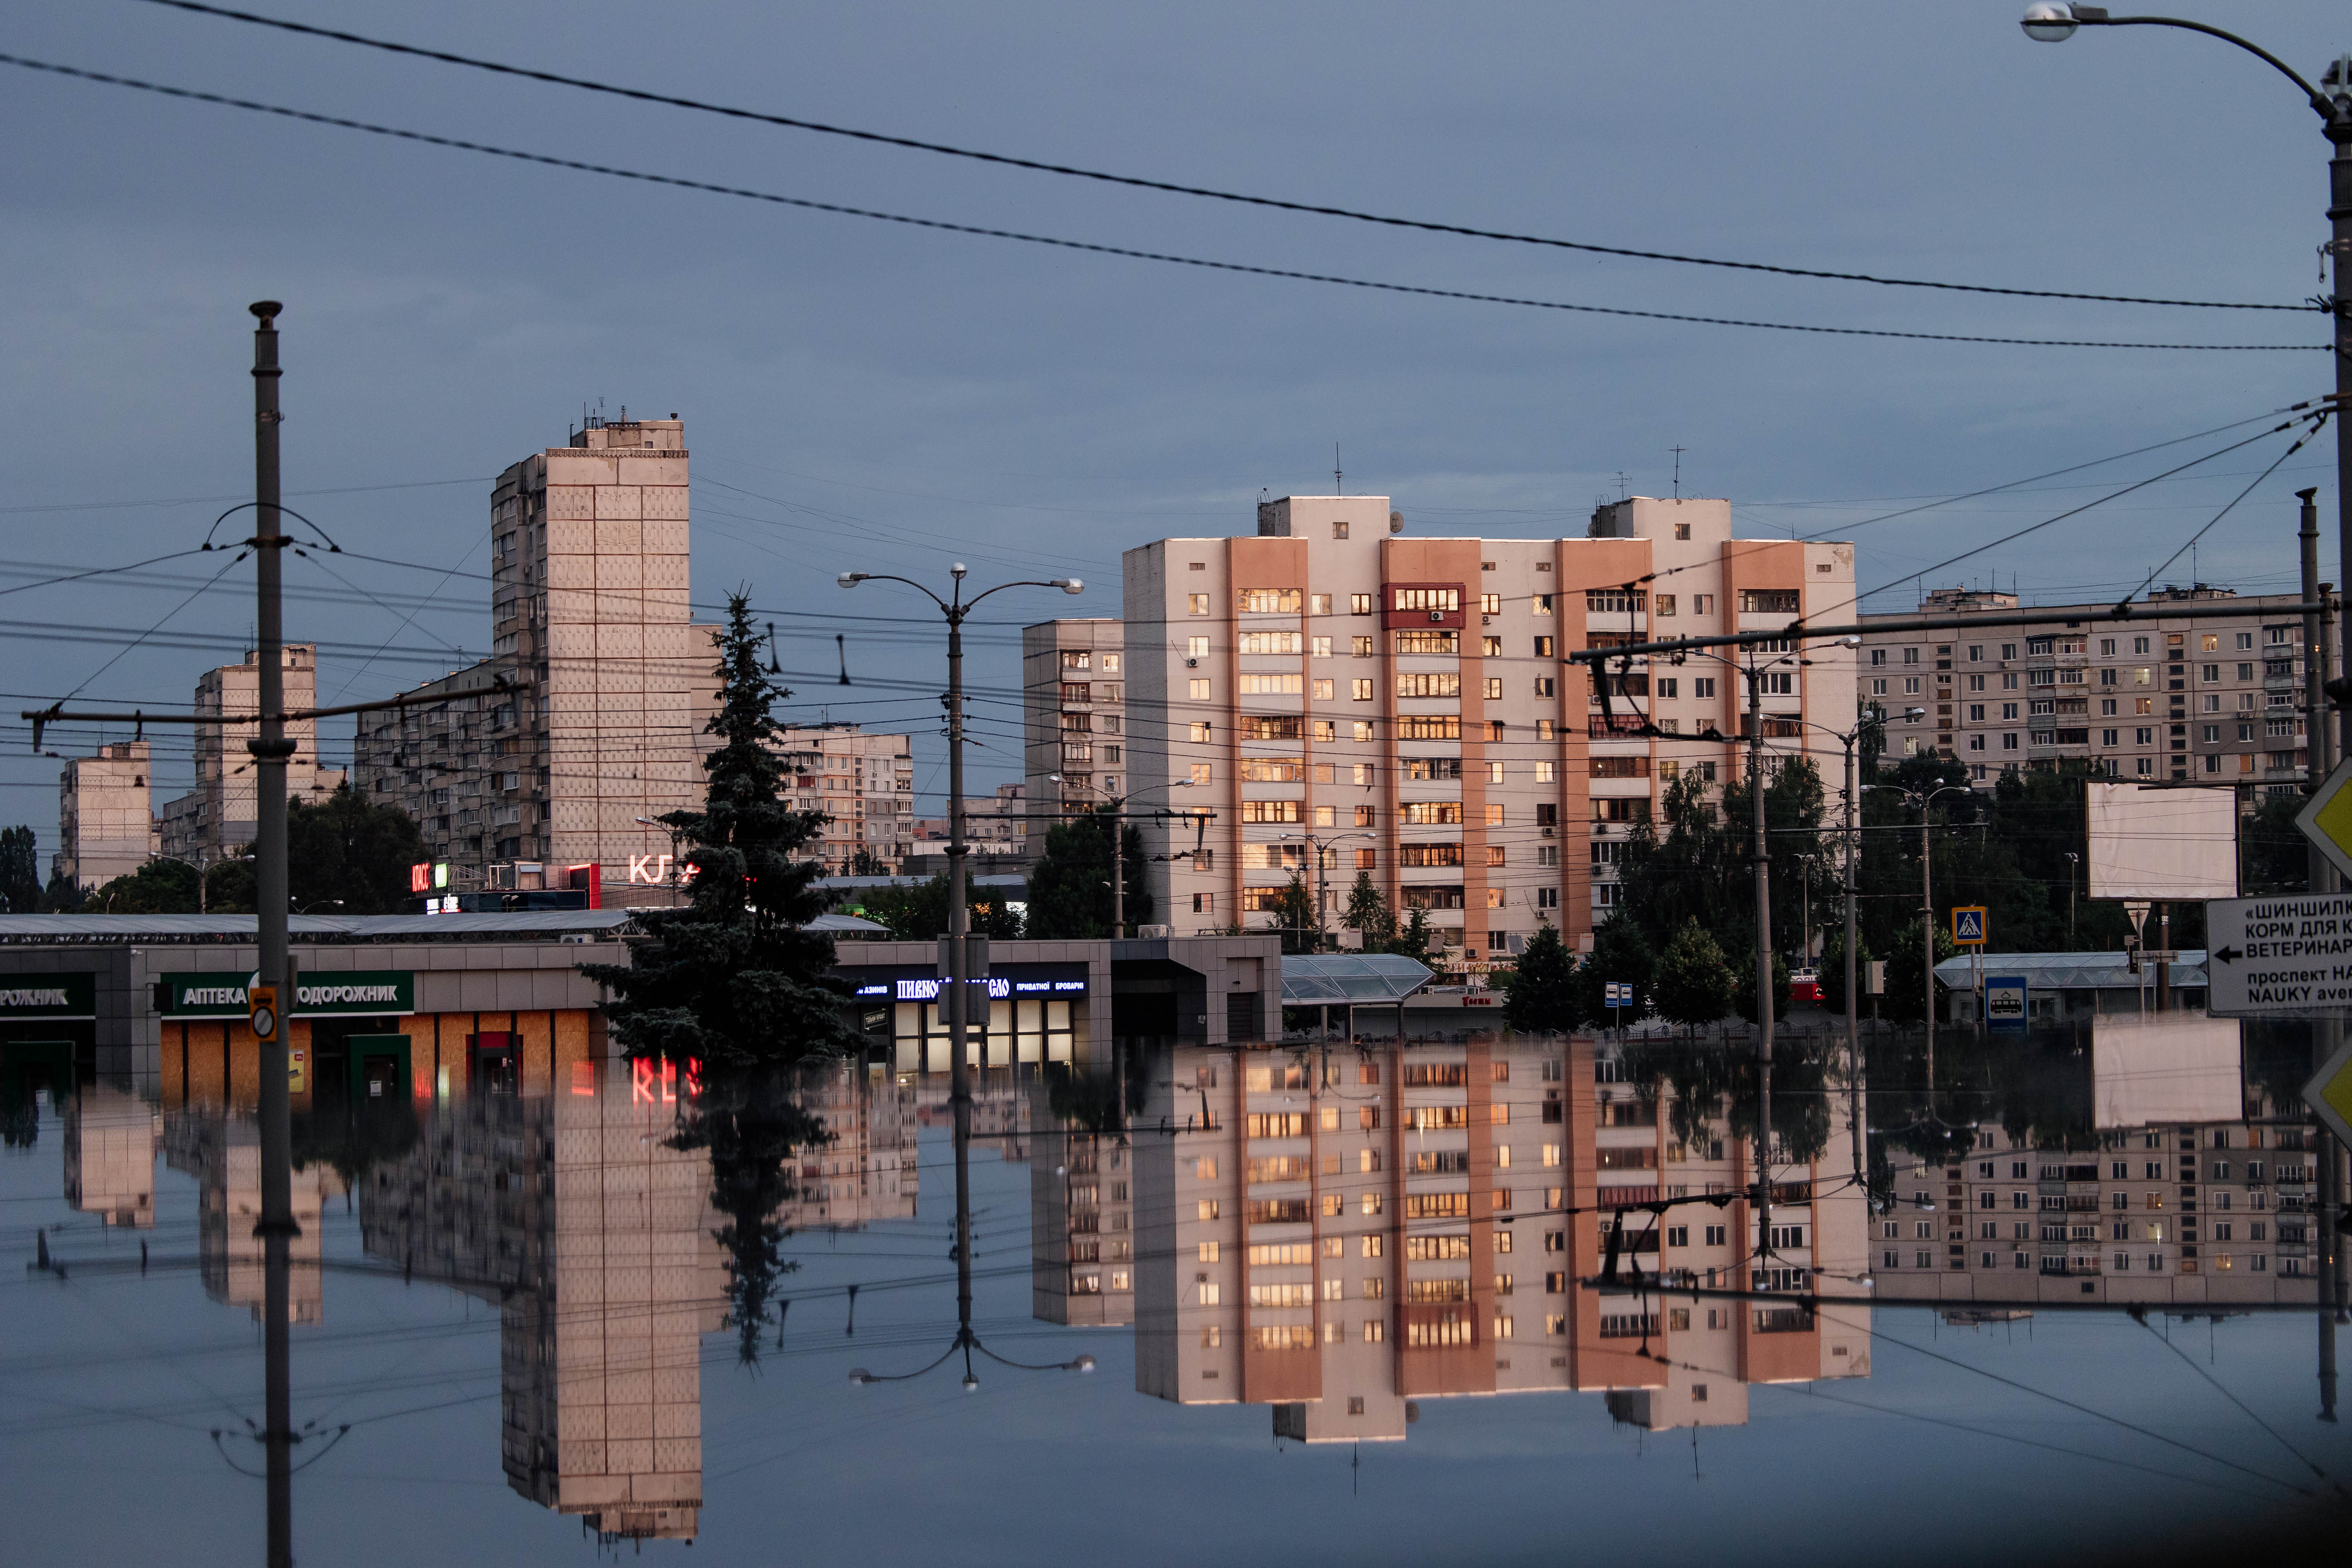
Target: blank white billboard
2169,844
2164,1068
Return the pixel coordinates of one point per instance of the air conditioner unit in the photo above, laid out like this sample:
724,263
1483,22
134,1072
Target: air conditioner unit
1436,615
1192,664
1485,620
1550,832
1153,931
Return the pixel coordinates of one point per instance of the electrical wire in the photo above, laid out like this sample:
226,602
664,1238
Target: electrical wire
1091,248
1320,210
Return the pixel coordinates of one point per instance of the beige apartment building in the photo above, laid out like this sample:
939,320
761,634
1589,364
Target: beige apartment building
996,827
106,822
1336,1234
584,726
222,1151
2187,698
218,819
1074,715
1332,697
864,784
866,1170
112,1137
1081,1210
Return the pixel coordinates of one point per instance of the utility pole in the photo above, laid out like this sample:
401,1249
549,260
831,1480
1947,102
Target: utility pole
1763,966
958,944
2327,1028
1853,1002
270,749
1119,866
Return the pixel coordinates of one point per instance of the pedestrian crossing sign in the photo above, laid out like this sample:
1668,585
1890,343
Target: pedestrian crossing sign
1969,926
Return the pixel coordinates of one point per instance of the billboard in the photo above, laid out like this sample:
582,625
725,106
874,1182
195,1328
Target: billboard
2161,844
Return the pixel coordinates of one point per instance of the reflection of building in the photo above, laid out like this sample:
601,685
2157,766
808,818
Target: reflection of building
106,826
576,1213
223,1152
1081,1207
109,1155
865,1171
216,818
1334,1233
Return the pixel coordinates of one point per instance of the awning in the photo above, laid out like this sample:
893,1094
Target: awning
1354,979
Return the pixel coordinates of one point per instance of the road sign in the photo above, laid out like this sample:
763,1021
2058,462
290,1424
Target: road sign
1969,926
2280,958
262,1002
2004,1002
2330,1093
1617,993
2327,821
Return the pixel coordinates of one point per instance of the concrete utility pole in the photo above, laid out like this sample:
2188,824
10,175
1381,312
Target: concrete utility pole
2327,1028
1763,966
1853,1002
270,749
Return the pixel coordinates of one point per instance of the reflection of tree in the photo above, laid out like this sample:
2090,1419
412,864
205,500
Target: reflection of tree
1706,1074
2037,1087
353,1139
1085,1101
2278,1062
751,1121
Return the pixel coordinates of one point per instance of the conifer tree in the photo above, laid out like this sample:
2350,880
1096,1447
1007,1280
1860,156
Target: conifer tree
734,979
1543,985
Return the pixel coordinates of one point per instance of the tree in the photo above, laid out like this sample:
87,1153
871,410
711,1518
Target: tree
1743,990
63,895
1692,981
1069,888
2275,855
159,888
919,913
1906,998
1619,953
1412,941
349,854
1833,971
734,978
1294,915
1542,996
866,863
1368,911
20,871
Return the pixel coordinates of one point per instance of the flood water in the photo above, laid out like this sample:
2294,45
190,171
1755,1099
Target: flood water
1336,1304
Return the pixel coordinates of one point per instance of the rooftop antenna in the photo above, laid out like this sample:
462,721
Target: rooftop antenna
1338,487
1678,452
1621,484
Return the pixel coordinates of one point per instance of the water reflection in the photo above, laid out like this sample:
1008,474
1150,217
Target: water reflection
1351,1238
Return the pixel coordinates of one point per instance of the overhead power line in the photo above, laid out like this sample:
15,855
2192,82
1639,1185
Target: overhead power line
1091,248
1170,187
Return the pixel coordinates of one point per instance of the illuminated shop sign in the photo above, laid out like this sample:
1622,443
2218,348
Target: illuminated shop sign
1000,986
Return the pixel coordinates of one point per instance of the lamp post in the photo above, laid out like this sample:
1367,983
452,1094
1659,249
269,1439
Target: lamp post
2331,101
955,607
1118,846
2072,860
1314,846
200,866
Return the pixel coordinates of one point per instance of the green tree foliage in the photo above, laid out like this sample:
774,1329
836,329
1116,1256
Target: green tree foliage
1743,987
1368,911
1906,998
919,913
1692,982
1413,941
1699,867
2273,856
1542,996
1069,888
158,887
1294,915
62,895
20,872
1834,973
864,862
351,856
1621,952
734,979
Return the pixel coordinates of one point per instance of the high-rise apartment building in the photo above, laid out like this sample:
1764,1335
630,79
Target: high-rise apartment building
864,784
1081,1203
1330,697
1074,704
2187,698
106,822
995,828
1335,1237
584,726
218,819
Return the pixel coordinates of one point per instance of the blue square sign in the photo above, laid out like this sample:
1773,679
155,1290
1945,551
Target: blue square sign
2004,1002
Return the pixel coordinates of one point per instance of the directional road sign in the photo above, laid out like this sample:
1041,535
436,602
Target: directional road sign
2327,821
2281,957
2330,1093
1969,926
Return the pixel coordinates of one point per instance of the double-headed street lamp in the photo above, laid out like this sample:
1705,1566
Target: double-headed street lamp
955,607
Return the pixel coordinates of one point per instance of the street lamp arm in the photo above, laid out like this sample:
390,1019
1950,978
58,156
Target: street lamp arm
851,579
1067,584
2096,17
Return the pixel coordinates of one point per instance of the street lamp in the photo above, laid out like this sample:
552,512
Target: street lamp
1316,844
201,892
955,607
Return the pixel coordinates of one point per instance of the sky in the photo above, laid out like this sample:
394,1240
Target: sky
876,397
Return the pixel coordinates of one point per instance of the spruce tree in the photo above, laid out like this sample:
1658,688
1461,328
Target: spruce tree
1368,912
734,979
1542,996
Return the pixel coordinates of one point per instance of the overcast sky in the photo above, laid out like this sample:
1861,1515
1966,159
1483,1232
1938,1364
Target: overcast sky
860,395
